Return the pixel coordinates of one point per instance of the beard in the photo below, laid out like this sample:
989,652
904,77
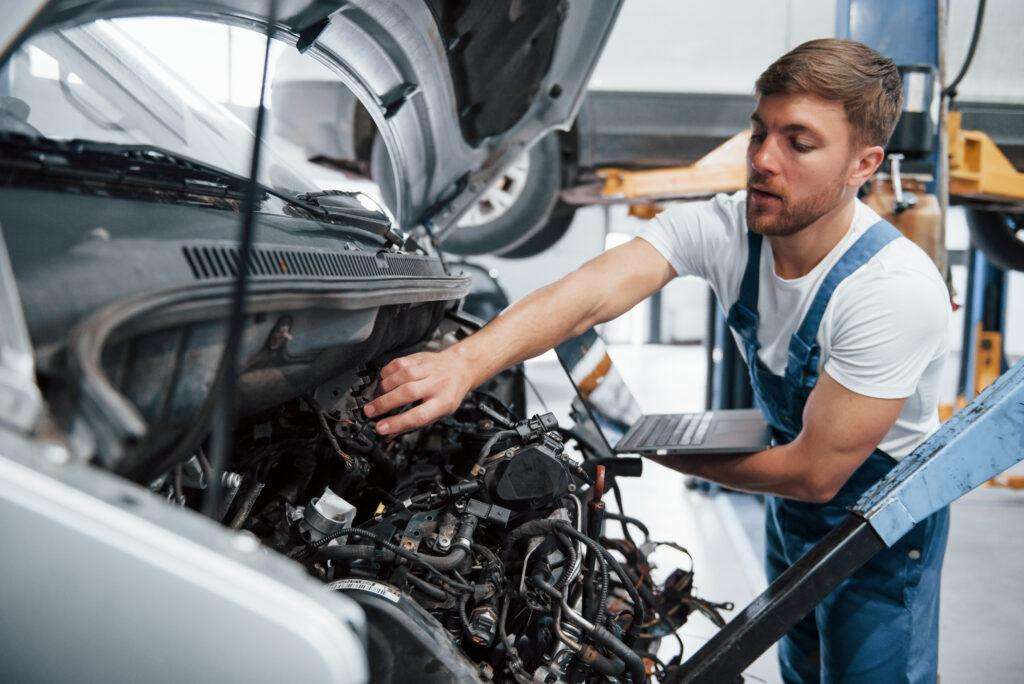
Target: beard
791,216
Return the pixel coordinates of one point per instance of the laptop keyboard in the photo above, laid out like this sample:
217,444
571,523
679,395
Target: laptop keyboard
683,429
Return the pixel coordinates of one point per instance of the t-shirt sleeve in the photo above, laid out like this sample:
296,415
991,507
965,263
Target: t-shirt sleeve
886,335
693,236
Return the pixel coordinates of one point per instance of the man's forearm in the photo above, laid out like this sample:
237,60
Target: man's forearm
783,470
531,326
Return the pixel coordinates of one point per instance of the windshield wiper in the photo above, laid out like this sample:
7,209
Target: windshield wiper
151,172
141,168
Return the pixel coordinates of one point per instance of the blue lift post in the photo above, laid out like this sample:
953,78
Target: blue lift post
979,442
984,307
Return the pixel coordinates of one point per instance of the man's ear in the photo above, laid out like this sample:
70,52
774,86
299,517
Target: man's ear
864,165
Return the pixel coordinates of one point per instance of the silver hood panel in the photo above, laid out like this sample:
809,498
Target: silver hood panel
391,55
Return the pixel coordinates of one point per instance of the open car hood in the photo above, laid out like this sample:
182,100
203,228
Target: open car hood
440,102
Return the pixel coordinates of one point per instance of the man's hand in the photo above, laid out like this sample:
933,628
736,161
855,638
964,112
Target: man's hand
439,380
603,288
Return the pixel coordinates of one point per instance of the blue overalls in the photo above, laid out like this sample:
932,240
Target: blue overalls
881,624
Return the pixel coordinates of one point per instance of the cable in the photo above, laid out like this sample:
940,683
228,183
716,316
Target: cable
950,90
321,417
433,591
601,635
428,227
618,503
533,387
537,528
463,615
625,519
489,444
396,550
221,442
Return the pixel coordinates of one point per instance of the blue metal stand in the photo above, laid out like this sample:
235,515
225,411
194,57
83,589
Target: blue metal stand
985,304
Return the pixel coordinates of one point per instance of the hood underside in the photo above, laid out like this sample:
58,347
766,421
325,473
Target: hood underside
398,57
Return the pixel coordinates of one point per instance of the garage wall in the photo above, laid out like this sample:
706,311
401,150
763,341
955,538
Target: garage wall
721,47
997,74
698,46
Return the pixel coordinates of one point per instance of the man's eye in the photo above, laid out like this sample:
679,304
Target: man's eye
757,137
801,147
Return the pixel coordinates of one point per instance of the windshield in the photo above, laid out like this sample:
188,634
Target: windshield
99,82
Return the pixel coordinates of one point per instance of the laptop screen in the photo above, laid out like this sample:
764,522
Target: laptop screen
599,385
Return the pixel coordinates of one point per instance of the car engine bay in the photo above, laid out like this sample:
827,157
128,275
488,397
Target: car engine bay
177,299
485,535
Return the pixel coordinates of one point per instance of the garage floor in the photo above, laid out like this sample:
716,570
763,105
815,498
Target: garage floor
982,624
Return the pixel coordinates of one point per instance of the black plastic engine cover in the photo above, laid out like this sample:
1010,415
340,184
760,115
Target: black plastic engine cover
534,479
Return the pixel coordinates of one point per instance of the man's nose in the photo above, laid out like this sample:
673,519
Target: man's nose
763,157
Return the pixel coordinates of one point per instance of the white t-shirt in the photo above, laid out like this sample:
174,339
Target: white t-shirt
884,333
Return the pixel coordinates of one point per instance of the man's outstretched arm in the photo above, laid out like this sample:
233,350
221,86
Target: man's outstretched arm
603,288
841,429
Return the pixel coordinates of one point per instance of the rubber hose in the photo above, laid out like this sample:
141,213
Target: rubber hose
349,552
602,664
432,590
538,528
604,638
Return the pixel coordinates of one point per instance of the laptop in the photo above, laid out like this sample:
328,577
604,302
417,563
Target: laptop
625,428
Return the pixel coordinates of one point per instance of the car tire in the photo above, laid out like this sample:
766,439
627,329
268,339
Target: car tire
524,216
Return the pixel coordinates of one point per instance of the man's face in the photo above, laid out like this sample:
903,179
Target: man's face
798,162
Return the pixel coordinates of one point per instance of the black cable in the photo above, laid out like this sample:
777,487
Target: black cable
395,549
485,451
624,519
428,227
538,528
431,590
221,441
533,387
618,503
515,663
493,560
463,614
603,637
321,417
950,90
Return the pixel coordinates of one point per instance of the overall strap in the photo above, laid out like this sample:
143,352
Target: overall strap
743,316
802,366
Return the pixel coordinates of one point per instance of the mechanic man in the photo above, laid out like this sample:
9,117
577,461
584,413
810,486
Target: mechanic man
843,323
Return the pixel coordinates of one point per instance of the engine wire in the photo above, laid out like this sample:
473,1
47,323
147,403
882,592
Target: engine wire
222,439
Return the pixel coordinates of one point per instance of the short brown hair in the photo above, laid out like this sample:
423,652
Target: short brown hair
867,83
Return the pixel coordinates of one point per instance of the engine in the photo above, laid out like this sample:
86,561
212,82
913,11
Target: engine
479,547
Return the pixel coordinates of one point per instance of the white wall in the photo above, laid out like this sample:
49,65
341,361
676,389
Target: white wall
997,73
700,46
721,47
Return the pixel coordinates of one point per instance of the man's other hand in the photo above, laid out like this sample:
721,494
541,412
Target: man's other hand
438,380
